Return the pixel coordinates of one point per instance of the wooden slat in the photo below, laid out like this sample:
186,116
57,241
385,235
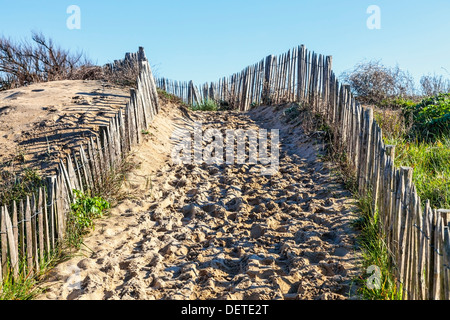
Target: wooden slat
141,96
427,248
12,244
390,202
15,223
105,150
34,230
78,171
430,245
421,253
72,174
40,224
46,219
123,137
110,150
397,216
4,244
66,178
415,247
438,239
66,206
405,227
29,236
383,191
128,127
447,260
93,160
21,229
86,169
59,195
117,138
102,161
112,144
52,207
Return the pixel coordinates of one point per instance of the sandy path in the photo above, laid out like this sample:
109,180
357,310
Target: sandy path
220,232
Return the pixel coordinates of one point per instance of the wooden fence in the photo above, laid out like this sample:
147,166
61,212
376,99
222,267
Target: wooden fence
130,61
30,229
417,237
298,75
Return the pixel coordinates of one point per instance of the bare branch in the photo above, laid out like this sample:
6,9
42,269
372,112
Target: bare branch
372,82
41,60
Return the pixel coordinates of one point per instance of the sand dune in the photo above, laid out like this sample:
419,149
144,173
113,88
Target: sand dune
44,120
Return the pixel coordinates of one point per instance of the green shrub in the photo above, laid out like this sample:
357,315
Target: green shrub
431,117
86,209
83,213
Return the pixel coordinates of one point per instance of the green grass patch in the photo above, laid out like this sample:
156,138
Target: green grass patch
207,105
23,288
431,164
397,102
84,211
375,253
26,285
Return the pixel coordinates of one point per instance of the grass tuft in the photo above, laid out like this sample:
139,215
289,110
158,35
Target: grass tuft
168,97
16,186
26,285
84,211
207,105
374,253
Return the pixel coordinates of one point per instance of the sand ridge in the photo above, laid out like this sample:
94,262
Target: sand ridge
43,121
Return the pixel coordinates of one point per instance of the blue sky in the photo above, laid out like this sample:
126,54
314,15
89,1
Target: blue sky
205,40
